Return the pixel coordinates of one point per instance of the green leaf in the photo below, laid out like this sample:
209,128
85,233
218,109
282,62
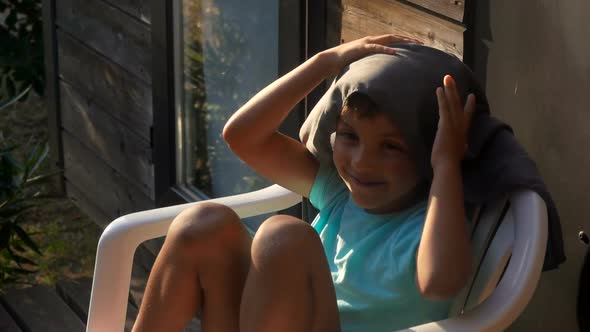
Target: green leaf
26,239
23,271
18,247
4,104
42,178
20,259
12,257
36,157
46,196
12,270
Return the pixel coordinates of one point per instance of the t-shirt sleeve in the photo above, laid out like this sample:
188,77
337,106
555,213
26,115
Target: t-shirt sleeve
326,186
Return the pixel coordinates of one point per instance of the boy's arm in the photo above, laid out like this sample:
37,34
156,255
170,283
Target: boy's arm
444,255
252,132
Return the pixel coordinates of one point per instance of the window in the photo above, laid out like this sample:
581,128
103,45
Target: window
227,50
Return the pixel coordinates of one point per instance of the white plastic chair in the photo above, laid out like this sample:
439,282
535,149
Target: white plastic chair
512,231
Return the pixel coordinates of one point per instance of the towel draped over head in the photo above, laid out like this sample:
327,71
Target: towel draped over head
404,87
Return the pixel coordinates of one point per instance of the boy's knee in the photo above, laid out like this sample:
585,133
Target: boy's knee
205,222
283,237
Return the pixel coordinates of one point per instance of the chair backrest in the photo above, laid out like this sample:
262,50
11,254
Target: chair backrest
492,238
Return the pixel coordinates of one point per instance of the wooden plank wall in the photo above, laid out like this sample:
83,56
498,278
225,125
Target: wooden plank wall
439,23
104,66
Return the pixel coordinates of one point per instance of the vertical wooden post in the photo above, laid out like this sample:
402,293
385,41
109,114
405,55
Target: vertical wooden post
52,101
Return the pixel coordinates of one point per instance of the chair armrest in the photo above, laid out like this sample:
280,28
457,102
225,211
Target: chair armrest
516,288
118,242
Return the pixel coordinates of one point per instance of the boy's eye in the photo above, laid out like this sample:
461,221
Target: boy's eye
393,147
346,135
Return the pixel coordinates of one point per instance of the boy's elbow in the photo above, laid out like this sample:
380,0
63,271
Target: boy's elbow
230,136
432,291
442,288
227,133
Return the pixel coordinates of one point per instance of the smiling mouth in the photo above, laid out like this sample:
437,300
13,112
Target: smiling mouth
365,183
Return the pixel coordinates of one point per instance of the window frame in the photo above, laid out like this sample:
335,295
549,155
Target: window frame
311,22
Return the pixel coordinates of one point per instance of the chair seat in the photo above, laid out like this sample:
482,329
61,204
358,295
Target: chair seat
510,236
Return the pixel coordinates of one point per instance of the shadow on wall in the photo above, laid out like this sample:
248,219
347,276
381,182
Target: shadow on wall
539,45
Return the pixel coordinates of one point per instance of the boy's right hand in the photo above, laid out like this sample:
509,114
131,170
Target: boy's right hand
344,54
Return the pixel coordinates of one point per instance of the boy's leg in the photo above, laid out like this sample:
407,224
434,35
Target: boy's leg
202,267
289,286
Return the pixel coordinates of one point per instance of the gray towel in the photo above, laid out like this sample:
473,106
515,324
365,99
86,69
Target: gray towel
404,86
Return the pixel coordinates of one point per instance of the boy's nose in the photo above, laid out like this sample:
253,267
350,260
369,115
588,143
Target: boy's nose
363,159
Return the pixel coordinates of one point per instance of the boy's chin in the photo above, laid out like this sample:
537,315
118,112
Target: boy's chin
371,205
376,206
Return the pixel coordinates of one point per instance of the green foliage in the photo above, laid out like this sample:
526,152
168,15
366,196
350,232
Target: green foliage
20,190
21,48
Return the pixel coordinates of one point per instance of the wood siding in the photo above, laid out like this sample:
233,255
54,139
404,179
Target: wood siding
107,84
104,185
111,140
105,105
104,65
429,21
123,39
139,9
453,9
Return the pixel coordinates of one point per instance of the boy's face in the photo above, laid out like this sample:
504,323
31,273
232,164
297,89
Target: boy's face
372,159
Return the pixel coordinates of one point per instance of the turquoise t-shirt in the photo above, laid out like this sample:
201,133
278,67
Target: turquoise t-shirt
372,258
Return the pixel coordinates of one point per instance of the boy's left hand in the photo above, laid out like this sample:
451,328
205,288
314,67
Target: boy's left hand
450,143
